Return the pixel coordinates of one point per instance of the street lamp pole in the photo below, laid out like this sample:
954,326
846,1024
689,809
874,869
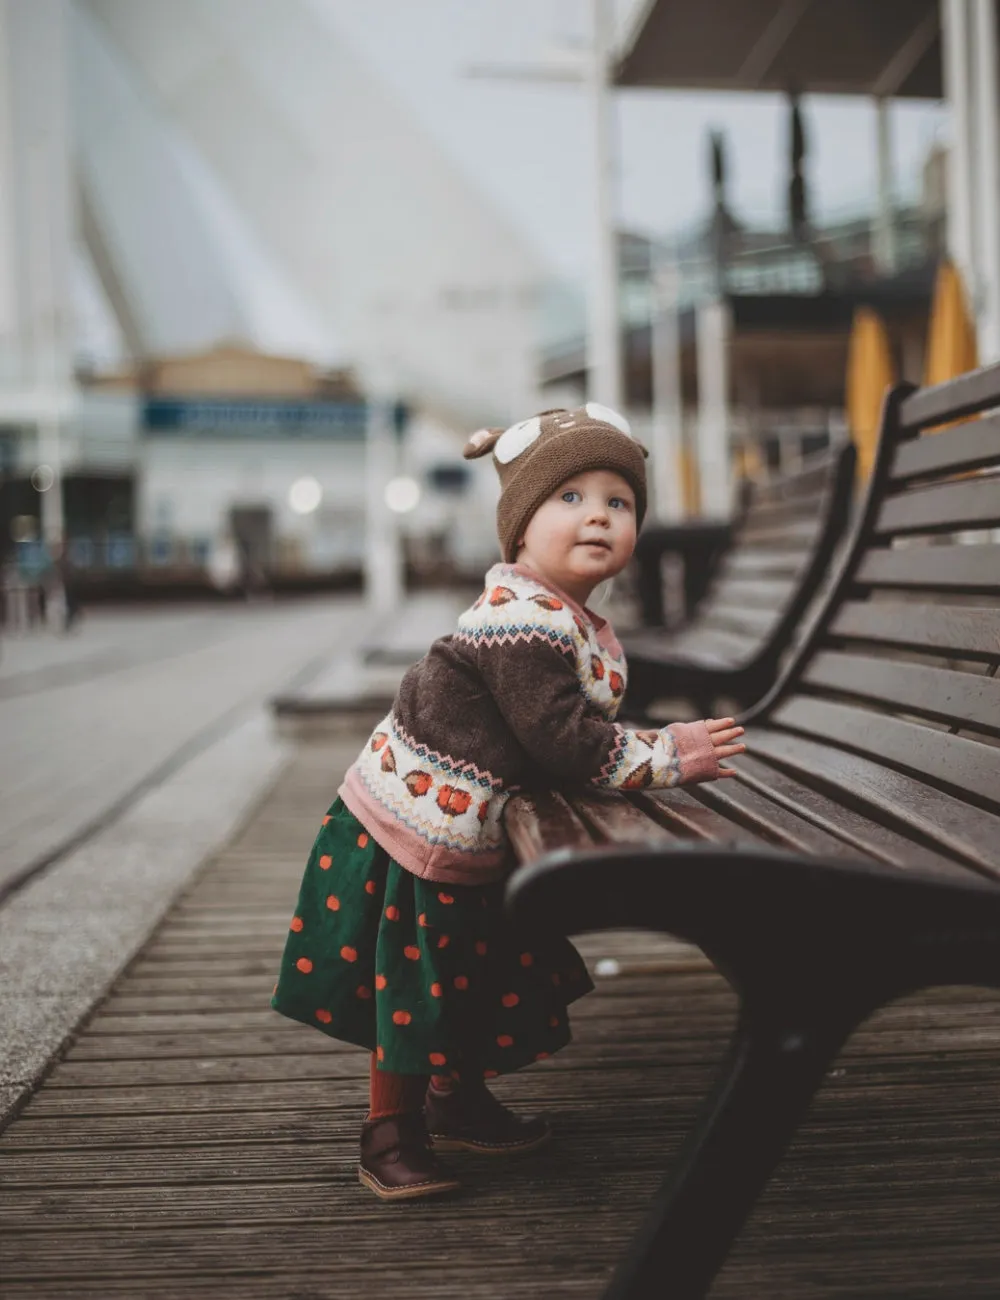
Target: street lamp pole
604,354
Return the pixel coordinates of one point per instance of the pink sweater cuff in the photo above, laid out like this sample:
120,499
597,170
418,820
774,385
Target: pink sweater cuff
694,751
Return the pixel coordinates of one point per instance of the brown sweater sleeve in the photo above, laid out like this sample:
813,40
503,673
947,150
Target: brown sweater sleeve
537,690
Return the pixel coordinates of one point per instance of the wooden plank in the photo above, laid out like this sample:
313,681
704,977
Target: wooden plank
747,621
977,391
971,446
970,504
962,831
762,562
968,632
932,692
769,593
955,568
541,823
773,821
796,535
680,812
967,765
712,646
868,837
612,819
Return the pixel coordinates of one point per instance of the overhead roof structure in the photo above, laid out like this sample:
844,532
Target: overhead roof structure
886,48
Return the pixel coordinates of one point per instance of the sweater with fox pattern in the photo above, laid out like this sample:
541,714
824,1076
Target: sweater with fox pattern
523,695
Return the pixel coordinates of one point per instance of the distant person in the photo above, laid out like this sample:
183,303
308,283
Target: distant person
68,578
399,942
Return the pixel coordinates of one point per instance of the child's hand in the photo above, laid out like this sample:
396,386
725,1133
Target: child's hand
724,732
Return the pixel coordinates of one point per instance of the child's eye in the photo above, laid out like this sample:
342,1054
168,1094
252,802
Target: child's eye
571,495
618,503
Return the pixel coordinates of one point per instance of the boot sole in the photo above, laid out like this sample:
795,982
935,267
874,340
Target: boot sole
486,1149
406,1193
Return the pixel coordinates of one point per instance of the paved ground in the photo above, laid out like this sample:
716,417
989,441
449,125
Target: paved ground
90,719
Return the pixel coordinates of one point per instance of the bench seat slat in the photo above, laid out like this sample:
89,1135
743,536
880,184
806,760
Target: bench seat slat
871,838
944,568
763,593
796,535
966,630
953,760
972,446
680,812
613,819
942,403
935,692
972,503
746,620
958,828
542,822
773,821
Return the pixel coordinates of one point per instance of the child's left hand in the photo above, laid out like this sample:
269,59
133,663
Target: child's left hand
724,732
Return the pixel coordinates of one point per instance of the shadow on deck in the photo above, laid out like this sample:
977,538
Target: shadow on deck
191,1142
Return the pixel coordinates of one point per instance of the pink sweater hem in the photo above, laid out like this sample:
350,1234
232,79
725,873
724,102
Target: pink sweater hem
413,852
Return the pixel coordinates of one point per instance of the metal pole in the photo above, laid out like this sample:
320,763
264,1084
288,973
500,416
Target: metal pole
961,181
667,435
604,362
884,242
986,47
712,328
383,575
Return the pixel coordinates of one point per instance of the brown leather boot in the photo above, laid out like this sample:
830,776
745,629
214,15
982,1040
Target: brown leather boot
470,1118
397,1162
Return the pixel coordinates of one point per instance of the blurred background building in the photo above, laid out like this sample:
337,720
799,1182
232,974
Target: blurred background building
230,249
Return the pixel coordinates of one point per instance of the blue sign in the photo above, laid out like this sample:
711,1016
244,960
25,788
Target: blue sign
339,421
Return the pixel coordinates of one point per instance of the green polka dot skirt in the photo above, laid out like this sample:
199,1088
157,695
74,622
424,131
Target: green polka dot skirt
431,977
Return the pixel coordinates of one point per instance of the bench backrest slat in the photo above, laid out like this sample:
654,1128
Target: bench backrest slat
958,568
966,832
935,693
895,688
963,764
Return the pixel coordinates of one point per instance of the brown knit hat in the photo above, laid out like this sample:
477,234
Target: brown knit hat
536,455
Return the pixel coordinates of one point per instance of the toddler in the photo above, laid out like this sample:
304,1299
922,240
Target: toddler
399,942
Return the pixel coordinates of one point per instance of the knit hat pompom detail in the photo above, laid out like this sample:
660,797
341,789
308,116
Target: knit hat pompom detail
534,456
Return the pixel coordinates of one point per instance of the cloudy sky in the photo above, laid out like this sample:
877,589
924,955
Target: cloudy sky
525,144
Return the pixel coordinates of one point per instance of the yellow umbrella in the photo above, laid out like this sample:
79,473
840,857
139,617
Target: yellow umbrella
870,371
951,336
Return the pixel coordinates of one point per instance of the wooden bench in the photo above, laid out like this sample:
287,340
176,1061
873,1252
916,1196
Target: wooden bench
855,858
777,556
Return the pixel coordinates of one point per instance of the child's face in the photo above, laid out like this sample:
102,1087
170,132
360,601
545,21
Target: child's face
584,532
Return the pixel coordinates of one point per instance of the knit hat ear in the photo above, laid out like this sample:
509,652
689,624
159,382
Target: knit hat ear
481,443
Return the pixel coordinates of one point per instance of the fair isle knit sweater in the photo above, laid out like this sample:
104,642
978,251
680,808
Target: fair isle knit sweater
523,694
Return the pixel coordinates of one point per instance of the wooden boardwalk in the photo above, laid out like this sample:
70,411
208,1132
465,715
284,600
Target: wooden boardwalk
192,1143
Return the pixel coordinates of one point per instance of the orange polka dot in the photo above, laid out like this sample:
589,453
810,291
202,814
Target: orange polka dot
327,820
461,981
504,1040
349,954
481,948
380,1053
274,990
436,990
380,981
541,1056
324,1016
362,841
401,1017
455,1075
437,1058
333,902
446,898
296,924
490,1074
392,913
326,862
422,920
411,952
444,941
363,992
553,1022
555,977
527,959
369,886
510,999
304,965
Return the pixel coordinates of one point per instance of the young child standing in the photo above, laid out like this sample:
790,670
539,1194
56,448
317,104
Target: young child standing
399,942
